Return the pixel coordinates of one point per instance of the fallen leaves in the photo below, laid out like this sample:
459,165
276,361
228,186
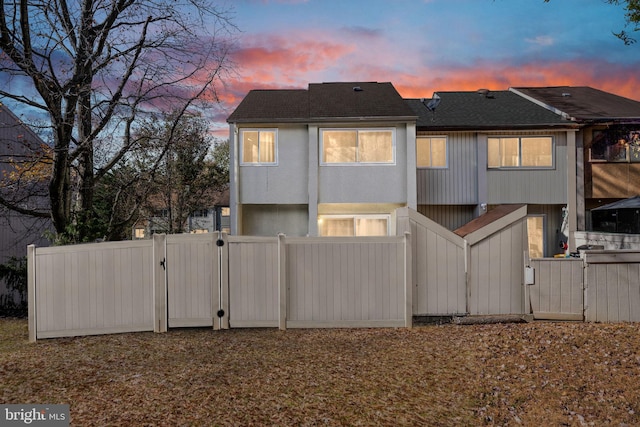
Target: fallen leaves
502,374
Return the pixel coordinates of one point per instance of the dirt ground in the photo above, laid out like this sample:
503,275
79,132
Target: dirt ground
534,374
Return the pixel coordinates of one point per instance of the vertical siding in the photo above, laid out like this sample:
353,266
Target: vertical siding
457,184
497,271
94,289
346,282
253,281
449,216
553,225
557,293
192,279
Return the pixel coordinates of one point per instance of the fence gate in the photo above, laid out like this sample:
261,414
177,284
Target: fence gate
192,274
558,289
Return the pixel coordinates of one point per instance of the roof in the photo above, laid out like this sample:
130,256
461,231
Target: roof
484,110
583,103
491,216
630,203
323,102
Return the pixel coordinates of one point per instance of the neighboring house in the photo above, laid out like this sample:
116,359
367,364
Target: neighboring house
481,149
18,143
336,159
608,143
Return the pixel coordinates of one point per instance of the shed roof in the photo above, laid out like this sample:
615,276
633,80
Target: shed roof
491,216
630,203
323,102
484,110
583,103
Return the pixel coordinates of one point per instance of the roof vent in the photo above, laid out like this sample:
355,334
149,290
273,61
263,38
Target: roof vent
565,94
357,89
485,92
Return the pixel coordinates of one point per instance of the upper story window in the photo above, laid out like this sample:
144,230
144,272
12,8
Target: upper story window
431,151
357,146
353,225
520,152
259,146
616,144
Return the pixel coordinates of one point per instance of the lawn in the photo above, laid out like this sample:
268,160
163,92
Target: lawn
540,373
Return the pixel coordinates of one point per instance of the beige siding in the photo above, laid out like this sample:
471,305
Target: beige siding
253,281
557,292
553,224
438,267
457,184
192,279
344,282
94,289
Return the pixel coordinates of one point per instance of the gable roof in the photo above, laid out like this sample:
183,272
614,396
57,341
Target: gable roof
323,102
583,103
484,110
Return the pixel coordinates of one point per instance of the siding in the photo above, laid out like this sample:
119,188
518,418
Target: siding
458,184
450,217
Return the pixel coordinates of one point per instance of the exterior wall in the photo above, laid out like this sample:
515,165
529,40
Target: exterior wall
449,216
553,218
531,186
366,183
284,183
270,220
614,180
458,183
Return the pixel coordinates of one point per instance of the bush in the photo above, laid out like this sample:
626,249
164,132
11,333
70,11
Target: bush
14,274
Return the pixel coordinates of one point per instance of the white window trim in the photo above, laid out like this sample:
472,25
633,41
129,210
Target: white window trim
355,217
393,147
520,138
446,146
241,146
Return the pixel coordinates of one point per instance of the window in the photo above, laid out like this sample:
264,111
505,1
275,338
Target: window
357,146
616,144
259,146
353,225
431,152
200,213
520,152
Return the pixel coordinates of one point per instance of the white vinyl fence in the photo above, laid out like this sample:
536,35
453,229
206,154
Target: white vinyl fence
220,281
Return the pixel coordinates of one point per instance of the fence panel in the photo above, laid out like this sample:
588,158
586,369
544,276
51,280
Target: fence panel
253,282
92,289
557,292
192,279
346,282
613,286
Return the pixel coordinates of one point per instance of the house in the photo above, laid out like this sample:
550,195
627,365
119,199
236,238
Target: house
477,150
20,147
335,159
607,143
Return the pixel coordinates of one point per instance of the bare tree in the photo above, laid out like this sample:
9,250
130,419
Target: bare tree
96,67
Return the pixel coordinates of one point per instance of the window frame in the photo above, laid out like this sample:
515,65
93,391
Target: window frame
241,146
519,166
354,218
446,151
357,130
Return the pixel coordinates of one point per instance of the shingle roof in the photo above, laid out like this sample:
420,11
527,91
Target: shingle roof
484,111
323,101
583,103
630,203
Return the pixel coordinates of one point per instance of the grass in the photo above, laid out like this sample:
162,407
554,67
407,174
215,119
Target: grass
541,373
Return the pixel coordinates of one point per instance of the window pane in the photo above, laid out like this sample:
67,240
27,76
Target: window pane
438,152
267,147
493,152
509,155
537,152
371,227
375,146
339,146
249,146
535,229
336,227
423,152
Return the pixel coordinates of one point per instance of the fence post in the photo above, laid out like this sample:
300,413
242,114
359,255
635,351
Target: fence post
160,283
31,292
282,282
224,282
408,280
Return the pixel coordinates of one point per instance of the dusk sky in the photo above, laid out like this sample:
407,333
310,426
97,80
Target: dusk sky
423,46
